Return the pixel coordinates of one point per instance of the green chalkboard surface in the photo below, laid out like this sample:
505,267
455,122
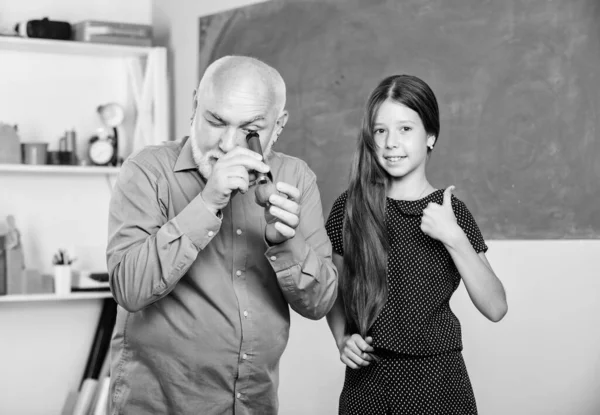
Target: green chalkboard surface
518,83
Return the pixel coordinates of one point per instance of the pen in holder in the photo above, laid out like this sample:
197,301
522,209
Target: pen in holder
265,187
62,272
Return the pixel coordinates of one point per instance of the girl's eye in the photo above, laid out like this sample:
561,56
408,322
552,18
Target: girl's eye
379,131
406,128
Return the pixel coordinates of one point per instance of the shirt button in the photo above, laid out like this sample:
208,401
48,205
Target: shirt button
239,231
239,395
210,233
244,356
245,313
273,258
238,273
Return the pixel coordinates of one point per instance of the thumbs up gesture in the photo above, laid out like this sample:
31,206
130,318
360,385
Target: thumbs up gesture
438,221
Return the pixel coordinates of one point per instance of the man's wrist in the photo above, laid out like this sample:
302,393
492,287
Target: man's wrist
211,208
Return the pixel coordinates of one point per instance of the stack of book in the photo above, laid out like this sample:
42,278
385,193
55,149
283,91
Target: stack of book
95,31
92,396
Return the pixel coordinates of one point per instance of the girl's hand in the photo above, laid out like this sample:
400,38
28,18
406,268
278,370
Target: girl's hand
438,221
355,351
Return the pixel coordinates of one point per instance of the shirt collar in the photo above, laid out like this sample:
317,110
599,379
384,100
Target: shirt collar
185,160
416,207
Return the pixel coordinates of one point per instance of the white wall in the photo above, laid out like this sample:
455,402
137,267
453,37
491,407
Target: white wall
45,345
542,359
176,27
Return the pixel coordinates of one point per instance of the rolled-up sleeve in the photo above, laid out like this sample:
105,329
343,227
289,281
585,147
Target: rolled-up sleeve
147,254
303,264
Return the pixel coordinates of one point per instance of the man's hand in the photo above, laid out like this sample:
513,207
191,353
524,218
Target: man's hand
230,174
438,221
282,214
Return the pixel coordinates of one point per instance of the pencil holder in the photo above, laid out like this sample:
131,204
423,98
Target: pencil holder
62,279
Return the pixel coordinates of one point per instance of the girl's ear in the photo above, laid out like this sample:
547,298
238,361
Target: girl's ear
431,141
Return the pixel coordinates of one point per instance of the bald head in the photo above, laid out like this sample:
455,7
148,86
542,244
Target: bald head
237,95
243,73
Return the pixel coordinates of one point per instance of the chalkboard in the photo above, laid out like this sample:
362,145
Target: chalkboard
518,83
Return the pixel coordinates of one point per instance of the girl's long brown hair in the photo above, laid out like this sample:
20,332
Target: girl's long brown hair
363,284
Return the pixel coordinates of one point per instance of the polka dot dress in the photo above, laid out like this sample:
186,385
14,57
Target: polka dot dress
417,333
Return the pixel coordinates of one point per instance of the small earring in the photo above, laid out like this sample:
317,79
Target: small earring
430,147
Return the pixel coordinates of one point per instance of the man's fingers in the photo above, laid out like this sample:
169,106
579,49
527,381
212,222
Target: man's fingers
285,204
249,163
285,230
287,218
238,183
289,190
243,152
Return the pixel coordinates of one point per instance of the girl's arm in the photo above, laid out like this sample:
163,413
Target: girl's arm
484,288
335,317
354,350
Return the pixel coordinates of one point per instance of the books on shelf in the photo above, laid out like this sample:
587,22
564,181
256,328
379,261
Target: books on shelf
92,396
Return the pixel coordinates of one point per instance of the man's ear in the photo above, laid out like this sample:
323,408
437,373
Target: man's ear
281,121
194,106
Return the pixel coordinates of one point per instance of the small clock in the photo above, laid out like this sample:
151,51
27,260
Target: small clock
101,149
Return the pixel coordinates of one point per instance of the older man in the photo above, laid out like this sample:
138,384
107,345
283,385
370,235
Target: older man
204,275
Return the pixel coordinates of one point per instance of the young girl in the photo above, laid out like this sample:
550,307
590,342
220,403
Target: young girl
401,248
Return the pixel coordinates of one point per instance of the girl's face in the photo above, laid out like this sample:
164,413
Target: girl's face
400,139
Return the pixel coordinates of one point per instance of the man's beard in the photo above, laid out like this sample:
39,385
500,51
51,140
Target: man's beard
205,162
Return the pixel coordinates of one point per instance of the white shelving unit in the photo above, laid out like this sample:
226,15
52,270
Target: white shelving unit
147,74
45,169
50,86
71,47
21,298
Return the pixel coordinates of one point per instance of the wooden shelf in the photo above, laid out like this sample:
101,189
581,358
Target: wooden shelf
71,47
48,169
22,298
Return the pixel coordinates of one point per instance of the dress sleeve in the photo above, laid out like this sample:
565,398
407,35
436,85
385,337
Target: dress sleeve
335,224
467,222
